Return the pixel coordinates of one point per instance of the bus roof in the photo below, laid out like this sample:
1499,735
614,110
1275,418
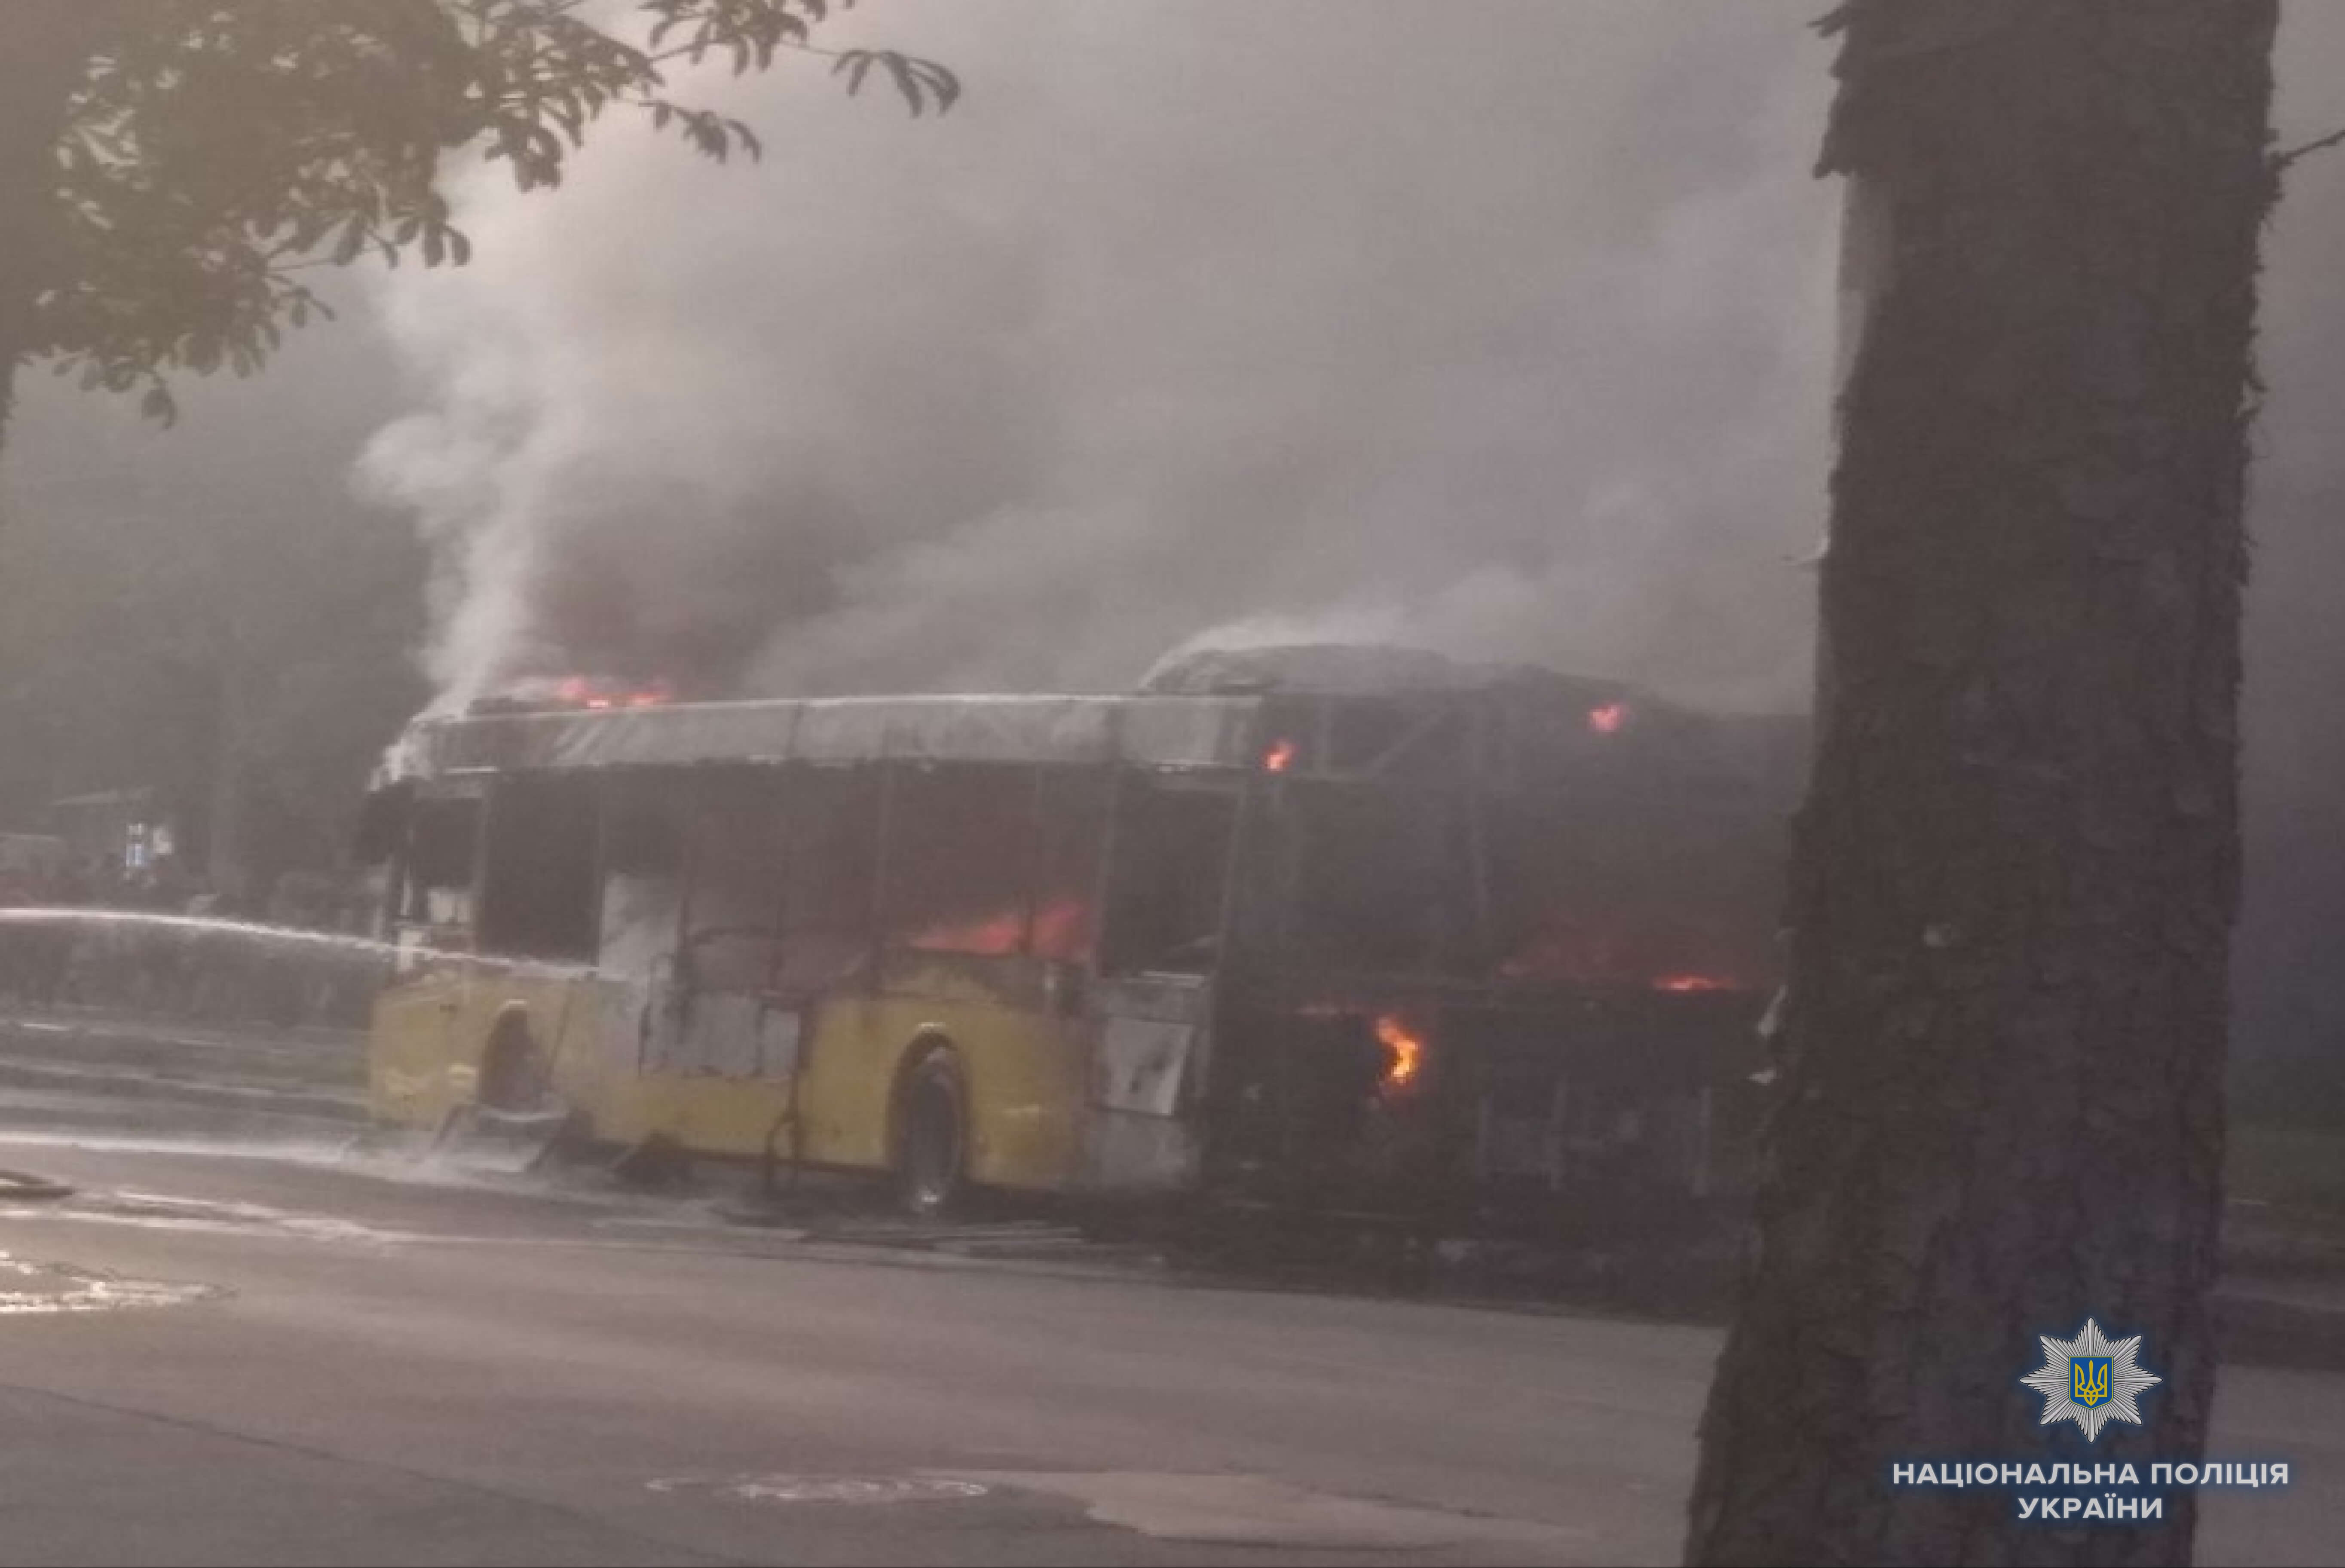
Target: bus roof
1147,731
1501,728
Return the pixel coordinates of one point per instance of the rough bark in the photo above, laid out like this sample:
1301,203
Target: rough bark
45,45
2015,875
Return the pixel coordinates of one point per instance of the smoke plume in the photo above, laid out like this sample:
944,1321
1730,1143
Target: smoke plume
1506,336
1504,330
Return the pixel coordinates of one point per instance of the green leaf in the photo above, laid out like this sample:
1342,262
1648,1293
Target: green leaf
211,153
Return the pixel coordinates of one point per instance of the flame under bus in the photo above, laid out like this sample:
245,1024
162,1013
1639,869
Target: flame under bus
1412,951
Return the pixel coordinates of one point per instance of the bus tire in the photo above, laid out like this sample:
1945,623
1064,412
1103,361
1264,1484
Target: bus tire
932,1137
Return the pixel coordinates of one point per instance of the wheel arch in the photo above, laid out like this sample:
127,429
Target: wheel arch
928,1040
510,1053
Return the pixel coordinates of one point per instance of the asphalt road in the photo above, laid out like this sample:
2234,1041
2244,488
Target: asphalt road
311,1362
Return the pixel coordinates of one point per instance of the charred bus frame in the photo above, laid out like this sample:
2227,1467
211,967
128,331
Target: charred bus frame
1287,964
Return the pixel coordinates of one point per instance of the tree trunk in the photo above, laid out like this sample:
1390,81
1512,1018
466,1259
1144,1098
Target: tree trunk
2014,878
45,45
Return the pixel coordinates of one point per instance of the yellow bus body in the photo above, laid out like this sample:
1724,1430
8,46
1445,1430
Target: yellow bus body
1025,1070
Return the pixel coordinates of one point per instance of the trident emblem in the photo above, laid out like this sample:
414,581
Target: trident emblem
2088,1380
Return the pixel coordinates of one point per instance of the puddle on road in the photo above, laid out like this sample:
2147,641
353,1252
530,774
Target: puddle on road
31,1288
1195,1508
323,1153
861,1490
157,1211
1255,1511
393,1159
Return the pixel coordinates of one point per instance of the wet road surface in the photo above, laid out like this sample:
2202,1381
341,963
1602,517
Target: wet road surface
316,1360
402,1371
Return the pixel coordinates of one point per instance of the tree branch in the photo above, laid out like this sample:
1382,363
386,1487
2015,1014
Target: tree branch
801,46
2281,160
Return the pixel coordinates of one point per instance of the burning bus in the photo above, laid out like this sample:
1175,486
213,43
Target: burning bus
1340,929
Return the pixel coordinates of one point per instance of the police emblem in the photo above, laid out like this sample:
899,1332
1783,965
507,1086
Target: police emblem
2090,1379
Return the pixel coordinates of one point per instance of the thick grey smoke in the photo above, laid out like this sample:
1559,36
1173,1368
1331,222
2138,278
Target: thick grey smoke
1504,327
1505,333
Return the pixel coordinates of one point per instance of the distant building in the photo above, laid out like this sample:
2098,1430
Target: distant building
129,824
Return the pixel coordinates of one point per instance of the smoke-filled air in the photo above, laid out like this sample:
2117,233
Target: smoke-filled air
1507,336
1413,782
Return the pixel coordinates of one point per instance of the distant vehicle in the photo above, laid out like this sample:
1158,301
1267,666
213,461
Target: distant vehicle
1464,947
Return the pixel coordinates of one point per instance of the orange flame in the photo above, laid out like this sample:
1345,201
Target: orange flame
1408,1053
1608,719
1061,930
1280,756
601,695
1584,958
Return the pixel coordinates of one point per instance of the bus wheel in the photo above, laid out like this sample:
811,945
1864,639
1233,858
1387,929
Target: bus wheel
931,1140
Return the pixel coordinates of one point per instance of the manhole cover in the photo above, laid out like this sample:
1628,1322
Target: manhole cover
26,1289
854,1488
